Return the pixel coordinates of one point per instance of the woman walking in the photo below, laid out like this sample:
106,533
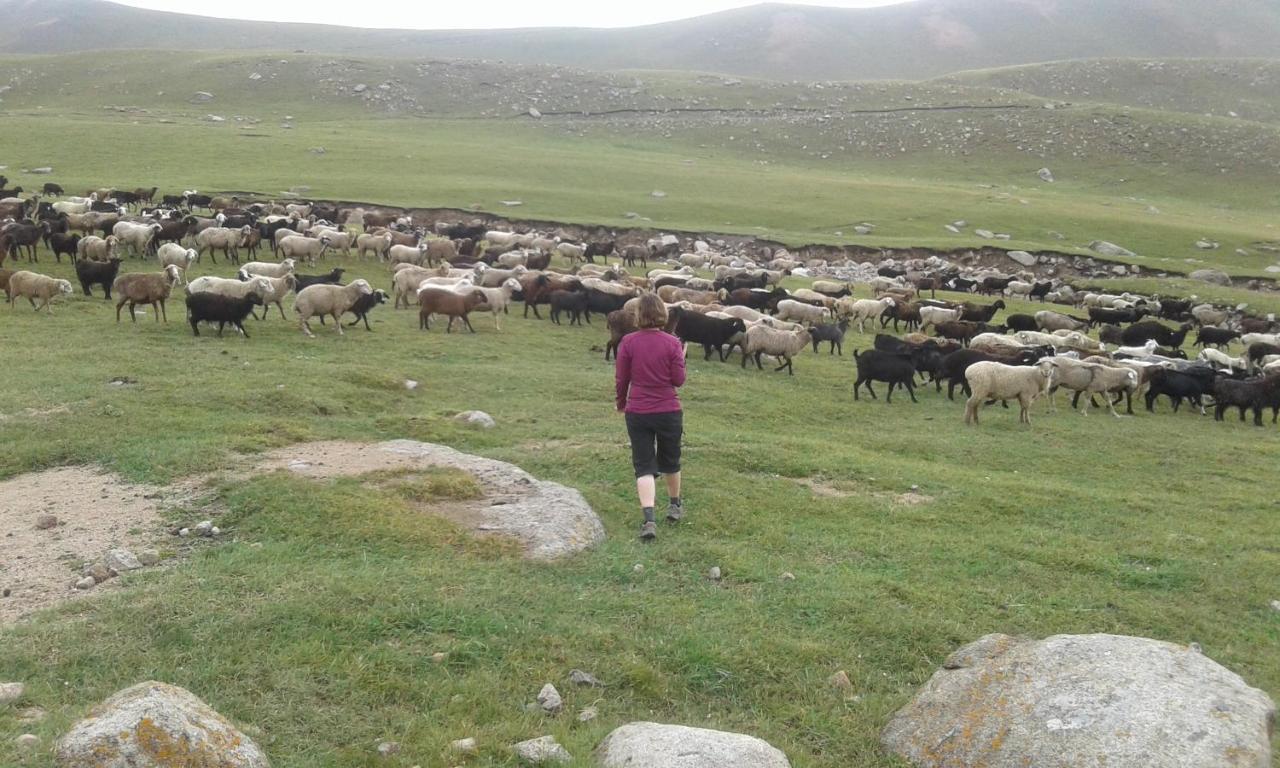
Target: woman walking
650,366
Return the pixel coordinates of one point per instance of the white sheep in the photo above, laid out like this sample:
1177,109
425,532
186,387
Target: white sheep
512,259
405,283
1048,320
136,237
174,254
33,285
861,310
614,289
1018,288
1250,339
97,248
1089,379
493,278
995,342
1146,349
267,268
378,245
934,315
789,309
813,297
294,248
997,381
407,254
572,252
223,286
1221,359
1207,314
221,239
496,300
279,288
745,314
325,299
763,340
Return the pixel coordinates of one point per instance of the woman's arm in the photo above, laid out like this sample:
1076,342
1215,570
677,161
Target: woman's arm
677,363
622,375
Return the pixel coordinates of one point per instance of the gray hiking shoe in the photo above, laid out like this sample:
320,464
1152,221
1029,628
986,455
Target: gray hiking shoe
675,512
649,531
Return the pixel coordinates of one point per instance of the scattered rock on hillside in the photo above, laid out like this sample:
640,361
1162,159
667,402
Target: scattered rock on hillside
121,560
27,741
1215,276
11,692
98,571
153,724
1045,175
478,419
654,745
148,557
985,234
1275,605
388,748
658,194
588,714
360,88
549,699
1023,258
951,228
544,750
45,522
200,97
463,746
578,677
1111,249
1208,245
534,113
1126,702
714,573
86,583
41,171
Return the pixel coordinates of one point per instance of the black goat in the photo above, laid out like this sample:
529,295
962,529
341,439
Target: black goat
1139,333
1210,335
833,334
97,273
895,369
572,302
1178,386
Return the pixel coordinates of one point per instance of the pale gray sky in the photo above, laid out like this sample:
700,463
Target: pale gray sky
467,14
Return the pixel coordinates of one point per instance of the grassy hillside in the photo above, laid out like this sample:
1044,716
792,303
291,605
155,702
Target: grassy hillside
316,623
782,42
796,164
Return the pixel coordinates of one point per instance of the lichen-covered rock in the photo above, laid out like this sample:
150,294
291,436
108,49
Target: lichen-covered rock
1215,276
654,745
156,725
544,750
1083,700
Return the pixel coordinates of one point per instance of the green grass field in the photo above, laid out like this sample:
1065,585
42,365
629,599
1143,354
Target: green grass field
321,637
316,619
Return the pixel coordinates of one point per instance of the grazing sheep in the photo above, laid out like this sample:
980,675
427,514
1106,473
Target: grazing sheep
324,299
378,245
266,269
1140,333
146,288
61,244
896,369
1091,378
834,334
280,287
5,274
97,248
1222,360
862,310
761,340
572,302
997,381
711,332
457,305
138,238
216,308
33,285
102,273
1049,321
172,253
1251,394
294,248
1210,335
496,300
406,281
1207,314
407,254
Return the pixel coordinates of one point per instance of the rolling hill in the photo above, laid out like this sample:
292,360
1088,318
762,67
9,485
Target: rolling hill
915,40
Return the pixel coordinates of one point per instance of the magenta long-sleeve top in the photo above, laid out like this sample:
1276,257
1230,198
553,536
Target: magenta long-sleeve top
650,366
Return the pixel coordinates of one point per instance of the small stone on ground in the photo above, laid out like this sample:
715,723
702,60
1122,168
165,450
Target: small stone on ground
544,750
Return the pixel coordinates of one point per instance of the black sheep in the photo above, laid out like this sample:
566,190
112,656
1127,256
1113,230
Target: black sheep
978,313
365,304
834,334
1251,394
1040,290
710,332
1178,386
603,303
216,308
97,273
875,365
1100,315
1139,333
1022,323
572,302
333,278
63,243
1210,335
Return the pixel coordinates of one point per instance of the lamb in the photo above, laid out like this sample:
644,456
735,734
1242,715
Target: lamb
1049,321
325,299
446,302
572,252
294,248
798,311
146,288
227,287
934,315
96,248
996,381
572,302
174,254
862,310
496,300
280,287
378,245
363,306
97,273
834,334
215,308
894,368
266,269
32,286
761,340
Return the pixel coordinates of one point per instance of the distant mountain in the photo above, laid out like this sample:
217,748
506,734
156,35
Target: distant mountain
916,40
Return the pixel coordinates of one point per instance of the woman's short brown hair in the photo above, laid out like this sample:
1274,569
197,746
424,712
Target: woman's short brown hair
651,312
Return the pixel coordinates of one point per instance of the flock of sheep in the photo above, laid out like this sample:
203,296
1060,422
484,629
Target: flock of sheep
718,299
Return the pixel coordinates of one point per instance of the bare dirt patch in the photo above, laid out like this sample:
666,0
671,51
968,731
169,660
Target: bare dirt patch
826,489
843,489
96,512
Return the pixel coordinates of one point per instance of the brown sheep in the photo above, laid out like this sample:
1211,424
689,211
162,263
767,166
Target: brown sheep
151,288
443,301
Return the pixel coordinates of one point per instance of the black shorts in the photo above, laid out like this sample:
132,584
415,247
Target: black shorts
662,430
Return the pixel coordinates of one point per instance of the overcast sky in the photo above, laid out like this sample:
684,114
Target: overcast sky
467,14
